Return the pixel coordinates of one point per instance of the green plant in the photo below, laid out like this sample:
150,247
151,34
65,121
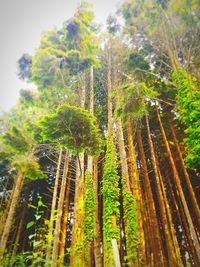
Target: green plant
37,254
89,215
130,216
110,192
188,108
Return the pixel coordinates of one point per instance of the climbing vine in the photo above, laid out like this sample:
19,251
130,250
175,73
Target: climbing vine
89,212
188,100
131,225
110,192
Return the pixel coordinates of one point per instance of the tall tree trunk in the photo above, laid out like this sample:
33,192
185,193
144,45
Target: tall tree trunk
9,221
136,191
20,227
173,259
64,223
57,231
158,257
187,178
111,159
53,208
179,188
183,223
77,244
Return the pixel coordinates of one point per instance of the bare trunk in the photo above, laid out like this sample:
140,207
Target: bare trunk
187,178
136,191
10,218
53,208
77,245
20,226
56,239
64,223
158,257
179,188
172,258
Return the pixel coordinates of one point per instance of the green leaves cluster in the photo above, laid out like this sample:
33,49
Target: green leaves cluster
110,192
130,217
89,208
188,107
19,148
73,128
131,100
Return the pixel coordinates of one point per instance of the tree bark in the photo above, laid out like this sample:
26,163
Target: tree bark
10,218
64,224
158,257
53,208
173,260
179,188
20,227
187,178
136,191
56,239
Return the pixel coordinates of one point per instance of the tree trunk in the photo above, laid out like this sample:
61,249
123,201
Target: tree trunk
126,189
56,239
9,221
179,188
77,244
53,208
20,227
173,260
187,178
158,257
136,191
64,224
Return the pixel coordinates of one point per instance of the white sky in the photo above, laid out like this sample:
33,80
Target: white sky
21,23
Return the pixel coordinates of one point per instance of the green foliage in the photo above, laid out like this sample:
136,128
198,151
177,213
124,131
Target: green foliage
29,166
136,62
73,128
131,232
132,100
37,255
19,260
110,192
188,99
89,208
89,214
15,140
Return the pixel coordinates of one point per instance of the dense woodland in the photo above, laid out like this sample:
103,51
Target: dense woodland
100,166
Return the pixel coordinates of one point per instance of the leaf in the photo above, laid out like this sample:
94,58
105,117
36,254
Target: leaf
32,206
36,243
37,217
31,236
30,224
46,222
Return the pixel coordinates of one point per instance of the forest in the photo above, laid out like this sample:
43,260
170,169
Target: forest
100,165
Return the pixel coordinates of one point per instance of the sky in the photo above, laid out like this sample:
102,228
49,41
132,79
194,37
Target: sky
21,25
